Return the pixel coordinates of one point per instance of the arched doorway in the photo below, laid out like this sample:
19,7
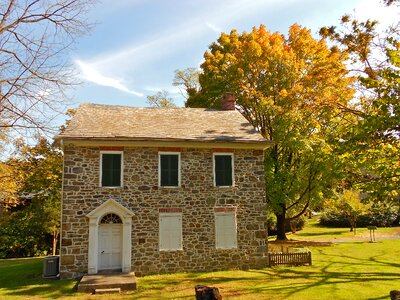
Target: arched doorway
110,243
110,228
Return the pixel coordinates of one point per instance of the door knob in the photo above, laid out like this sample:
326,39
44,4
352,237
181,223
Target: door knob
102,252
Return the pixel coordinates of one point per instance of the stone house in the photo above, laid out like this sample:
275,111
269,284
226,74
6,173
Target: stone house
155,190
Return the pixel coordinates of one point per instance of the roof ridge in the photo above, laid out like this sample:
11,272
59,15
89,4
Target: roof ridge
88,104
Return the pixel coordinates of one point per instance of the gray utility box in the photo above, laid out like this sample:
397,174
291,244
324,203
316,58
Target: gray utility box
51,267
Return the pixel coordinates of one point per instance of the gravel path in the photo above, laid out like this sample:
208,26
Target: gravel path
381,237
359,237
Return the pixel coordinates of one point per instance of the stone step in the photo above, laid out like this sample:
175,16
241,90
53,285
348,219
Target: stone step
108,291
122,281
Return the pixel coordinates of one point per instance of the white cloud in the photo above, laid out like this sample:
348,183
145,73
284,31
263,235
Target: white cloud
213,27
90,73
152,49
178,36
122,61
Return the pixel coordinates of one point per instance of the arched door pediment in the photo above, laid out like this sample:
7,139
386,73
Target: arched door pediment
110,206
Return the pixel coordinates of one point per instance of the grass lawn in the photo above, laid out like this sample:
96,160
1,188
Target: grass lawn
22,278
353,270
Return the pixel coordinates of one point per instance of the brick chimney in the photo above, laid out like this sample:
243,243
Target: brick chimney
228,101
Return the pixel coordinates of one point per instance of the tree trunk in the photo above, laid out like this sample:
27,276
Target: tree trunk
280,226
355,226
55,238
351,223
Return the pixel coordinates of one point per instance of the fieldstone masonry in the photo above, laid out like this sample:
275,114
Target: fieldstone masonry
197,199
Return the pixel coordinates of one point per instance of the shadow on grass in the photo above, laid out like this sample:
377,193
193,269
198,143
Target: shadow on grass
47,290
23,277
281,283
338,272
293,282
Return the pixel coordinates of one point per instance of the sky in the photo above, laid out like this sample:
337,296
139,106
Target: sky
135,45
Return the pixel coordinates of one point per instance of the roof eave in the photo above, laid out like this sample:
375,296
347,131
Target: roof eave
167,142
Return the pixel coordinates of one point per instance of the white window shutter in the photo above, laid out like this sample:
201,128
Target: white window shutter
225,231
170,231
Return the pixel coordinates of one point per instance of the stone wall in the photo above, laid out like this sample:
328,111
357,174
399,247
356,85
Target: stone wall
197,197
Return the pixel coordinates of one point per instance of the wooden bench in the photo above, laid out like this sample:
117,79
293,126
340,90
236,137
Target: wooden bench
291,259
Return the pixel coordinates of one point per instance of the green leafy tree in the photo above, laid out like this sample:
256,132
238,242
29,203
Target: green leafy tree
349,203
294,90
370,148
31,219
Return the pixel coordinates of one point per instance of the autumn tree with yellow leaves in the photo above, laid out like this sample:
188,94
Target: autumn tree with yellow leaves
294,89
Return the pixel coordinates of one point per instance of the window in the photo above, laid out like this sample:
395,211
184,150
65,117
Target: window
170,231
225,230
111,219
111,169
169,169
223,169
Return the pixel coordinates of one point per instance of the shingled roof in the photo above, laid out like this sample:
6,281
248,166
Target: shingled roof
109,122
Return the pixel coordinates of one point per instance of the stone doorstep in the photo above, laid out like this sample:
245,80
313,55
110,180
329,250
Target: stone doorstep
108,291
122,281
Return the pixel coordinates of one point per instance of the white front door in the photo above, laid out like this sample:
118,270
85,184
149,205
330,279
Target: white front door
110,246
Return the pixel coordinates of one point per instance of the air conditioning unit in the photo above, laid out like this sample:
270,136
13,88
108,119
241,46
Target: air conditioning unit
51,267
